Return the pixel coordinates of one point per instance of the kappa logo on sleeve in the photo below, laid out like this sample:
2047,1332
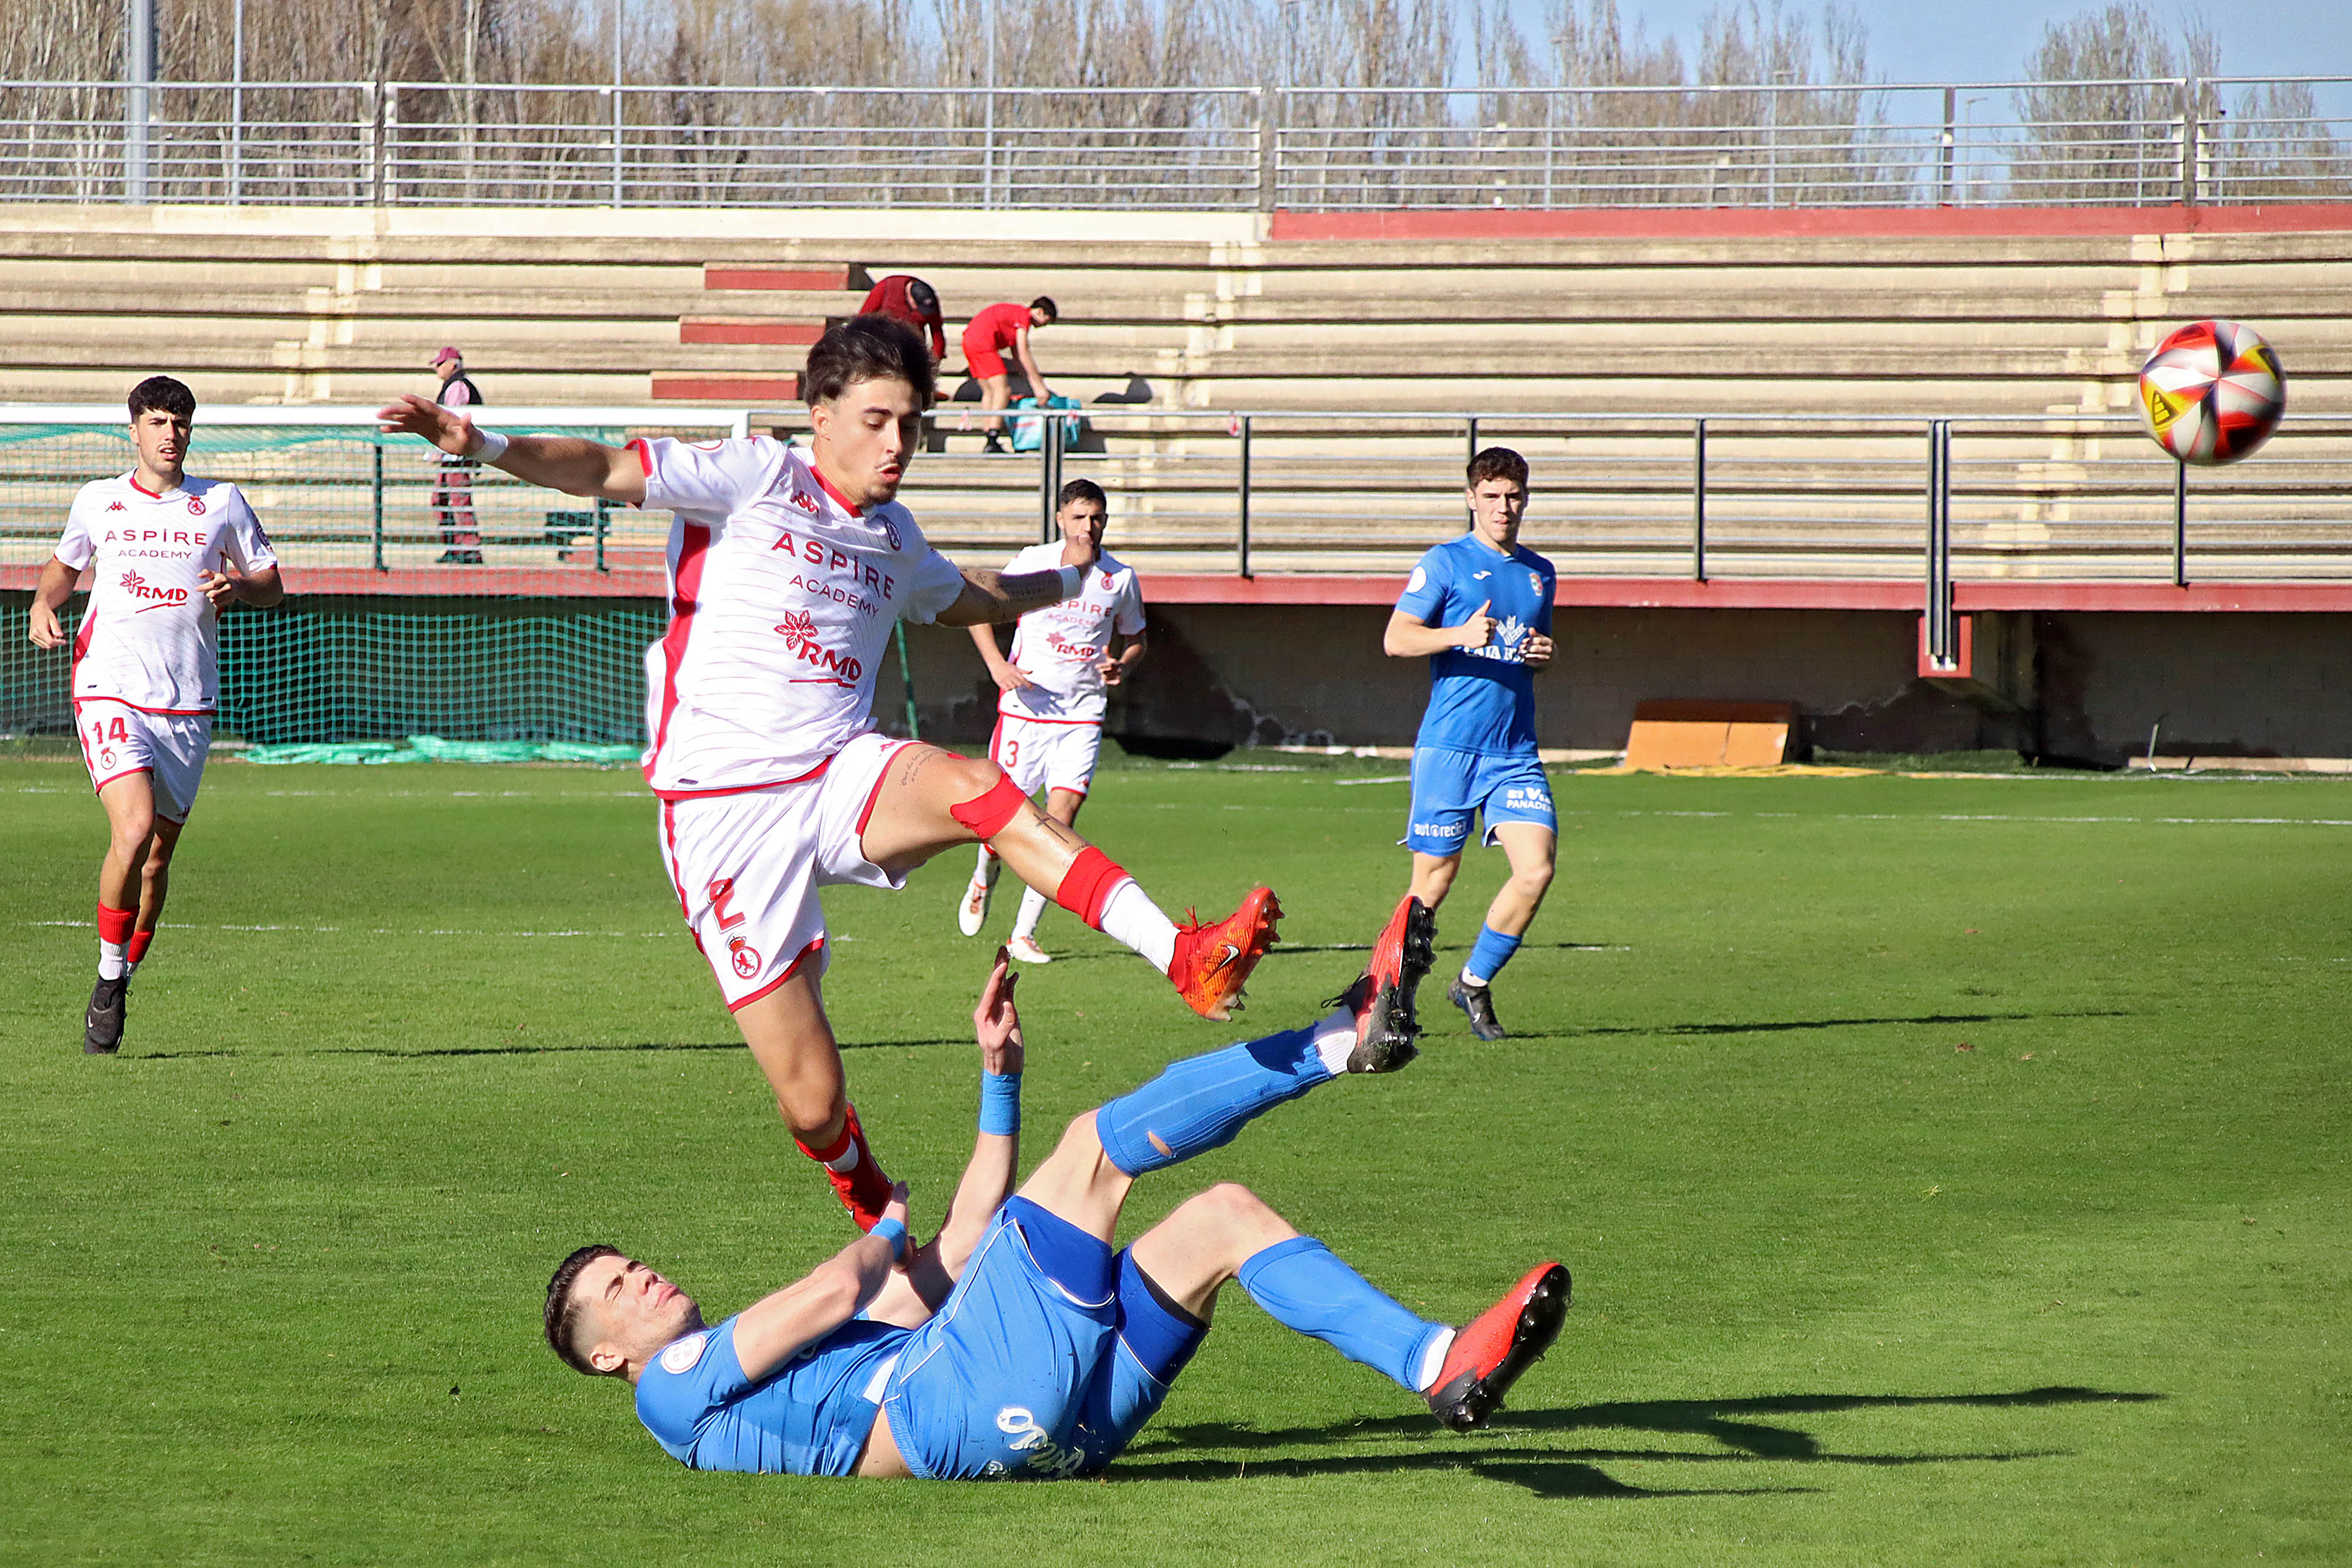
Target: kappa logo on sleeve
681,1356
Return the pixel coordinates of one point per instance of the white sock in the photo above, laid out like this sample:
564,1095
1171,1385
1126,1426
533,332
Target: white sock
1335,1036
1033,906
986,871
1432,1360
1130,917
1476,982
112,965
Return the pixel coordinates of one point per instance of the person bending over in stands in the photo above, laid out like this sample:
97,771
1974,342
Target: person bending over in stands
787,571
1019,1344
167,553
986,340
908,299
1053,690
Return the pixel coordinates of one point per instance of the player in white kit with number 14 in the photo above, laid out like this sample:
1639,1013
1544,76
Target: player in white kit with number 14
166,554
1049,712
787,570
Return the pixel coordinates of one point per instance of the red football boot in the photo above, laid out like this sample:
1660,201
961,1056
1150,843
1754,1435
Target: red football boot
1213,961
1382,996
1490,1353
863,1189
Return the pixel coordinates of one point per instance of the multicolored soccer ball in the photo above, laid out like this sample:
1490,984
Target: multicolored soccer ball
2212,393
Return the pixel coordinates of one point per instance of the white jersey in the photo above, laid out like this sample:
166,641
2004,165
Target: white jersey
149,638
783,599
1058,647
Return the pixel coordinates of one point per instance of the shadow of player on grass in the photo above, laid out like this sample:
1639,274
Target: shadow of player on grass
1738,1424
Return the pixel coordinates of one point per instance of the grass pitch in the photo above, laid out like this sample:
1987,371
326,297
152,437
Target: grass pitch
1953,1171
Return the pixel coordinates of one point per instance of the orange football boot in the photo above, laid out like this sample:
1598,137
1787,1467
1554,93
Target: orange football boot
1490,1353
1213,961
1382,996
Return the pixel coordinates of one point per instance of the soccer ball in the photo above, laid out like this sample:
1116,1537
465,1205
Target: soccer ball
2212,393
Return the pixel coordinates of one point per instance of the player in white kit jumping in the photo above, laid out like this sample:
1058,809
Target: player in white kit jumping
1052,689
788,569
167,553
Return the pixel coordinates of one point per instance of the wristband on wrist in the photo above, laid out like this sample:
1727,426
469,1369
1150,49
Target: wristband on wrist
1074,578
891,1231
493,447
999,1103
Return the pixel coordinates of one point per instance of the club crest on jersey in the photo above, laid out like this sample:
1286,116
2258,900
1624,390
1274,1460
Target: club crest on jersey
196,505
137,587
890,531
744,956
1107,583
683,1353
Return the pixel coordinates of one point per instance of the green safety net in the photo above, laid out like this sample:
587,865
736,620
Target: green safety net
433,749
337,670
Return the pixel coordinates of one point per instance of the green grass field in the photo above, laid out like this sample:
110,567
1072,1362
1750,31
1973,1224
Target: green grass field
1953,1171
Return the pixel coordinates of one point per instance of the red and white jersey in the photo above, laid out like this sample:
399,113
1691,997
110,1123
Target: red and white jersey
1060,645
149,636
783,598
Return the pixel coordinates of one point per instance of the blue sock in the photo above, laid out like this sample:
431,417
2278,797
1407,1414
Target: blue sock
1489,953
1303,1285
1200,1103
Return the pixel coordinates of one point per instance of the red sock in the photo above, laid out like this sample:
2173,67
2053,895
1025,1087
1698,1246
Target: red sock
137,949
862,1187
1087,884
114,925
984,816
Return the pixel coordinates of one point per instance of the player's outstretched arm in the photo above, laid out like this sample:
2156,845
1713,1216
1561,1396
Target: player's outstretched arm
990,597
568,463
42,628
770,1330
987,1182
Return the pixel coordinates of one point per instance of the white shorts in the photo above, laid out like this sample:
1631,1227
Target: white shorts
118,739
1046,753
747,866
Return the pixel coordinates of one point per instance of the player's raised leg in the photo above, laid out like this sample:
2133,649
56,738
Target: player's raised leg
930,800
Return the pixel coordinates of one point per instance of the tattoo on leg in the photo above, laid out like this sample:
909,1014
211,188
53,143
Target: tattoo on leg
1058,832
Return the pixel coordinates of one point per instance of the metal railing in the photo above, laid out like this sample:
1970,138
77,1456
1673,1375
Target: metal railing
2123,142
1720,497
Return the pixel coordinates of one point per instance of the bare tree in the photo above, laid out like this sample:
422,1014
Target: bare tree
2106,124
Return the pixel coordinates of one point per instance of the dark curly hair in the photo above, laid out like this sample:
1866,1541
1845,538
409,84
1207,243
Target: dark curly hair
868,348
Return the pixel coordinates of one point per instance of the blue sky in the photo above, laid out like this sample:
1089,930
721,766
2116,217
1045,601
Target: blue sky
1988,40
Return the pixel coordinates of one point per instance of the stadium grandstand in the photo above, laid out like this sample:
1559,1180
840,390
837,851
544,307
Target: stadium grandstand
1829,376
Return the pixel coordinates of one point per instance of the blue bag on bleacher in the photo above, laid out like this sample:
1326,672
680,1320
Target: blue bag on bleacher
1029,434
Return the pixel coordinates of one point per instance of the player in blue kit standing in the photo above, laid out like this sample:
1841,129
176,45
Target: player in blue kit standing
1479,609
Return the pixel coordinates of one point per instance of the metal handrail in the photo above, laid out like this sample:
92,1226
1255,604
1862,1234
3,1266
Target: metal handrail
2112,141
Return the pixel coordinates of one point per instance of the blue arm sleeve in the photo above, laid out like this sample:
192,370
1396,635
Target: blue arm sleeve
689,1380
1424,590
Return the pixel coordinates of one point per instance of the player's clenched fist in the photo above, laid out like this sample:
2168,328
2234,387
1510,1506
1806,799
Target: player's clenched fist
43,629
1535,649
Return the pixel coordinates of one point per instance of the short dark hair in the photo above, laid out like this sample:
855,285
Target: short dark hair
164,393
868,348
562,1313
1045,302
1499,463
1082,490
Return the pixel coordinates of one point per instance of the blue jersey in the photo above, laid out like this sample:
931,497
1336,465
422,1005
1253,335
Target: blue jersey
1481,700
808,1417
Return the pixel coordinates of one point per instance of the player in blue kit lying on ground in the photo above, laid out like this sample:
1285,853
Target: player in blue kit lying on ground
1018,1343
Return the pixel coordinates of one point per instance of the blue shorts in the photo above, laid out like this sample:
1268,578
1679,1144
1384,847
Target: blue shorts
1045,1360
1448,786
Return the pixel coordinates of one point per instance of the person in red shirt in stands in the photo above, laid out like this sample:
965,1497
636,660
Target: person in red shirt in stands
985,338
911,300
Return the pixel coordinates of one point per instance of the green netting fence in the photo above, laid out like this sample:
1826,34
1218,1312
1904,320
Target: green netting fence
315,672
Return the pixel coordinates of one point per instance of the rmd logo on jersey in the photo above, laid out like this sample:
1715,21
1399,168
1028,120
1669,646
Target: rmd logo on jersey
137,587
799,630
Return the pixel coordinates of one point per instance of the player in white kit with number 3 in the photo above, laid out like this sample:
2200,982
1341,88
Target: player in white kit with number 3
787,571
166,554
1049,715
